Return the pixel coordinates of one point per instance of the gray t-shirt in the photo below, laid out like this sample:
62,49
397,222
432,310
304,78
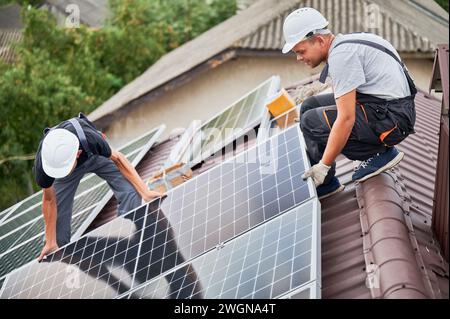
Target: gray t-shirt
366,69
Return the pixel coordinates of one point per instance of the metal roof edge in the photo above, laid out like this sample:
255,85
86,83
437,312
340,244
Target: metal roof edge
394,264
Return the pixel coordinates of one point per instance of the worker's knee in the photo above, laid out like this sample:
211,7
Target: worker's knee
308,121
309,104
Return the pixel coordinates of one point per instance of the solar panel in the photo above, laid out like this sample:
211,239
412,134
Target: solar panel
180,153
267,262
21,206
166,238
22,234
310,291
236,120
7,212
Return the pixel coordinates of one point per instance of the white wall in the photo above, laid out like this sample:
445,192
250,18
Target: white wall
211,92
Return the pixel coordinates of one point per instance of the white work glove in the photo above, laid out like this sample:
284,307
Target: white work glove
318,173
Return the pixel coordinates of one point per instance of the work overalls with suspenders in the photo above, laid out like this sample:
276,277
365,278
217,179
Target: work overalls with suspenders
379,123
105,168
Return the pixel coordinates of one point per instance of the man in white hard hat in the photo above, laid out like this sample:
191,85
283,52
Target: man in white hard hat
372,107
65,154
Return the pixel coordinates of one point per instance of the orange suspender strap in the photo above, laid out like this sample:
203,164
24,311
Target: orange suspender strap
326,118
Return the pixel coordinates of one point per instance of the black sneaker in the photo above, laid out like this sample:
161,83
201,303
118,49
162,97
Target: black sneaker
333,187
377,164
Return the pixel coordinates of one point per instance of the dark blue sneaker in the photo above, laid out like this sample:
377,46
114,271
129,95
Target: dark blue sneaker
377,164
333,187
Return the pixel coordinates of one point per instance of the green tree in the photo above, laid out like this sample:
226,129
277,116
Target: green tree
60,72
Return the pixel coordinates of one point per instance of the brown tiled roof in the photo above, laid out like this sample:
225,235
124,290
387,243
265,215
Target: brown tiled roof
380,227
387,221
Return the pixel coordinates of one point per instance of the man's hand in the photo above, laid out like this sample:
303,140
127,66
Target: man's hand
150,195
47,250
318,173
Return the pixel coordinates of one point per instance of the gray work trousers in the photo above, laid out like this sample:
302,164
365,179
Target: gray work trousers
392,121
65,188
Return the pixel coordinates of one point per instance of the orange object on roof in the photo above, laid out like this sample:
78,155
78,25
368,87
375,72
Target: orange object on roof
279,107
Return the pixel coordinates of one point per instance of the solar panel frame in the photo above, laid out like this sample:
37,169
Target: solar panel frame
251,122
35,197
308,183
7,212
135,156
216,276
178,152
310,291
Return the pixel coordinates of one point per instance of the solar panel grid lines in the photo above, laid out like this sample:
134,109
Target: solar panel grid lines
26,239
80,202
236,120
130,149
309,291
28,235
35,200
7,212
88,184
171,230
16,225
240,268
22,205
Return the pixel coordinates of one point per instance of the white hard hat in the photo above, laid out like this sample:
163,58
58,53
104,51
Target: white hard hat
59,152
299,23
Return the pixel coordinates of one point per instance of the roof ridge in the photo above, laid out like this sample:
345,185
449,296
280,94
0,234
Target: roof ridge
407,16
251,41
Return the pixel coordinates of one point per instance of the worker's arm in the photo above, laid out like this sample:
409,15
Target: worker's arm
132,176
342,127
49,211
339,134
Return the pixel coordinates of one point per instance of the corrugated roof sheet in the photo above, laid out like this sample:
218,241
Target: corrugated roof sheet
7,38
344,17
